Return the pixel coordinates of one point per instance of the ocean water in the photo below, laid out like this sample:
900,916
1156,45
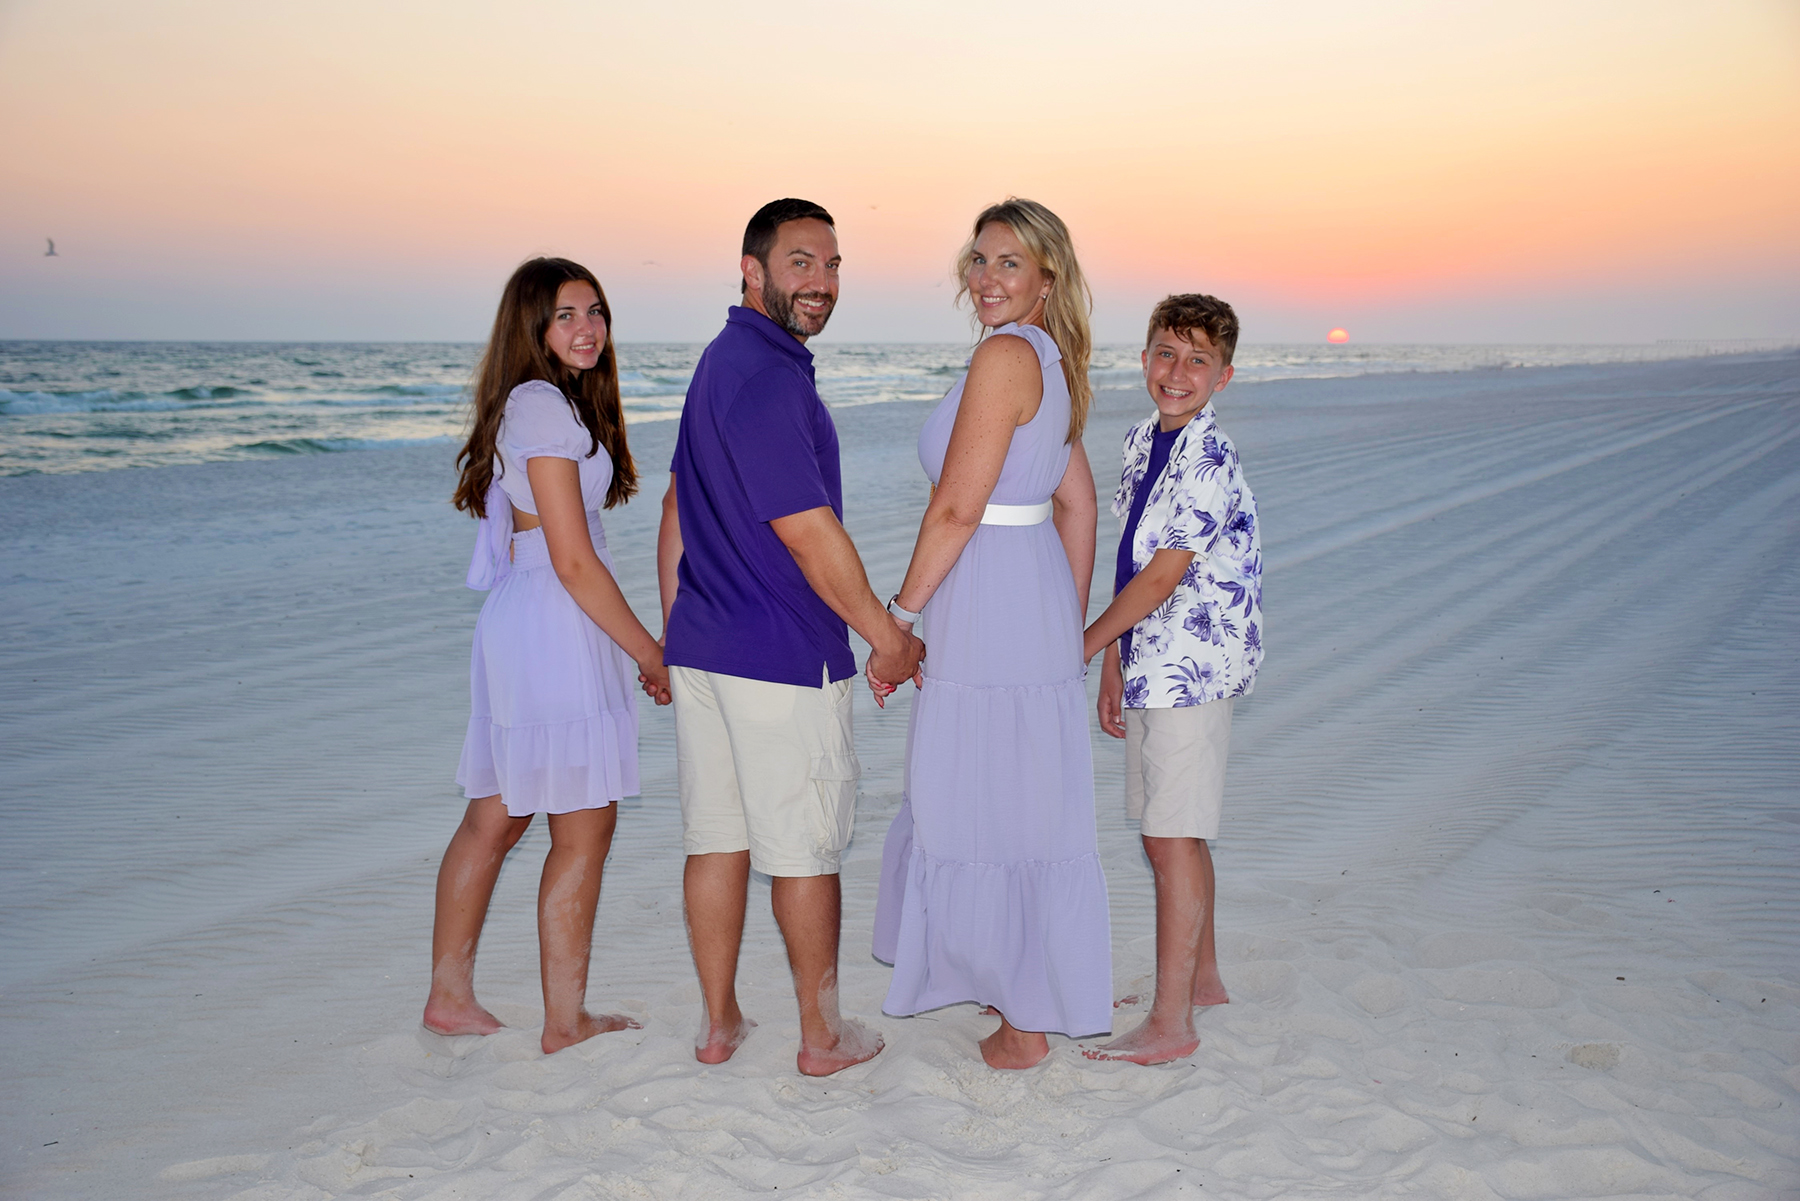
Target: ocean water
89,406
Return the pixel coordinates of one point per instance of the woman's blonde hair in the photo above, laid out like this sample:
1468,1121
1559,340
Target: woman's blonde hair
1046,240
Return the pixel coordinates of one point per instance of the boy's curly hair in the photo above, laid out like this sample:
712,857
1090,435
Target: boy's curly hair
1190,311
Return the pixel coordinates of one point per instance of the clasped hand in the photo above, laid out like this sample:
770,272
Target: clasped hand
653,675
886,672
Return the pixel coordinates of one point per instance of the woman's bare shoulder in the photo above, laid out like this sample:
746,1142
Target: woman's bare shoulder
1003,350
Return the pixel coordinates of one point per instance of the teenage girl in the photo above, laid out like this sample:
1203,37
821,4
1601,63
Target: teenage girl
558,652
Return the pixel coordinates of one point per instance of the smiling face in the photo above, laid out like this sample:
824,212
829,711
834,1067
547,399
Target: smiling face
798,287
1004,282
577,332
1182,372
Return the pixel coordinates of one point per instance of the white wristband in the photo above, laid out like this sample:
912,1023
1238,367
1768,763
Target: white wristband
906,615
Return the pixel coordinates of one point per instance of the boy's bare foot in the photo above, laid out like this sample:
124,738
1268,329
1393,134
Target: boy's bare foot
1148,1045
586,1026
721,1040
1011,1049
855,1043
459,1017
1209,989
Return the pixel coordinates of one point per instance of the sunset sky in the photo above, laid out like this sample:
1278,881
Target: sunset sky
1526,171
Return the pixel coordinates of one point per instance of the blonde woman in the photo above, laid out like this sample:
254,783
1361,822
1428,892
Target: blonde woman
991,887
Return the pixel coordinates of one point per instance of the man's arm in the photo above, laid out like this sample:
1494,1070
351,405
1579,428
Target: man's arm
1147,589
828,560
668,552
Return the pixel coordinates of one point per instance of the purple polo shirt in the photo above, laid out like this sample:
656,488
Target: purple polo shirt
756,443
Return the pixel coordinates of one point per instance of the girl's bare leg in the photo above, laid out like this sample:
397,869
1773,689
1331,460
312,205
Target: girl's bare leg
465,885
567,898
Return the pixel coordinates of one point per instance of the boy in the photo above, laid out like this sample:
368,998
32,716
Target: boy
1183,638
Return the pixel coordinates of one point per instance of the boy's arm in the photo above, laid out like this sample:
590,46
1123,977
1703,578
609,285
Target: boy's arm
1140,598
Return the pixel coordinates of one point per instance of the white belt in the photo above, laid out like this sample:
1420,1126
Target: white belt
1016,514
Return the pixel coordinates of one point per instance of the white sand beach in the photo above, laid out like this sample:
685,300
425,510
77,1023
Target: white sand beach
1509,880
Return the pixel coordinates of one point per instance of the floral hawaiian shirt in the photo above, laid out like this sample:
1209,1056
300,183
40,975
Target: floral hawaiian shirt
1205,642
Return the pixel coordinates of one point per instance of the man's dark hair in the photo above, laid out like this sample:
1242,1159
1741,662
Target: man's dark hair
759,235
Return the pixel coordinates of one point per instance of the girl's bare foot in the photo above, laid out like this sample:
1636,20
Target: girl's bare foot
464,1016
586,1025
1009,1048
855,1043
1149,1044
719,1042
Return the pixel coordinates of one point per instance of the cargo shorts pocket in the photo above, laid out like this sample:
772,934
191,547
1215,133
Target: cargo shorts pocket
834,777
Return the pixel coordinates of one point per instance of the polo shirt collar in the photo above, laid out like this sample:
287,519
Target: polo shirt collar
741,314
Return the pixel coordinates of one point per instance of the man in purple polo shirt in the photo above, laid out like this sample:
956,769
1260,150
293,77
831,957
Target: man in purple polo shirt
759,580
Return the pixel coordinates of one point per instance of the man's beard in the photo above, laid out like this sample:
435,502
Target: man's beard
781,310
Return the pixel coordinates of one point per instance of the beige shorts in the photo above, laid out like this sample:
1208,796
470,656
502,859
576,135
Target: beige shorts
767,768
1175,769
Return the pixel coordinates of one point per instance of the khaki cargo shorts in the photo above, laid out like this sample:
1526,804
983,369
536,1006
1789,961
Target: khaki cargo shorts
1175,769
767,768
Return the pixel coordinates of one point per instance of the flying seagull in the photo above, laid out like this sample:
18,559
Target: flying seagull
51,253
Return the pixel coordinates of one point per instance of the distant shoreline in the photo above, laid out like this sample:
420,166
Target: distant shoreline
98,406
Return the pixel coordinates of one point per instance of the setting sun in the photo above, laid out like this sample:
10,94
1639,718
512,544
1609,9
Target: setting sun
1338,335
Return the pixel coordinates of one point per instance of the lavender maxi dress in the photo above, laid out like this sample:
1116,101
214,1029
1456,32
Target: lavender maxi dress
991,886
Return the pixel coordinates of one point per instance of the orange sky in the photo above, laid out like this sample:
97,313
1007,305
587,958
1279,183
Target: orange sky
1495,172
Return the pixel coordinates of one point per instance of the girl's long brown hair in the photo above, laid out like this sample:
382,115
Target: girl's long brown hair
515,355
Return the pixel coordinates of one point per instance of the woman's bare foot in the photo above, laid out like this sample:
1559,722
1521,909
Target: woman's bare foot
719,1042
586,1025
1132,999
1149,1044
1009,1048
459,1017
855,1043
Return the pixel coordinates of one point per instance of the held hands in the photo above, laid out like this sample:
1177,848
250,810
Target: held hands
886,671
653,675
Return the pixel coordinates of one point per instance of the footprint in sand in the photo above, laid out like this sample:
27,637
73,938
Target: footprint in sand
1601,1057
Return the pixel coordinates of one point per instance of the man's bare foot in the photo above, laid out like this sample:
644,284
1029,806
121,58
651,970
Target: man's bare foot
719,1042
855,1043
1210,990
459,1017
1009,1048
1147,1045
586,1026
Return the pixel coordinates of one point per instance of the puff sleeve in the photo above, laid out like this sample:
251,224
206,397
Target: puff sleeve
541,422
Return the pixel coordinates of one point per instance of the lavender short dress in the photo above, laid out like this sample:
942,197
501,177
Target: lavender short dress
991,887
553,715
